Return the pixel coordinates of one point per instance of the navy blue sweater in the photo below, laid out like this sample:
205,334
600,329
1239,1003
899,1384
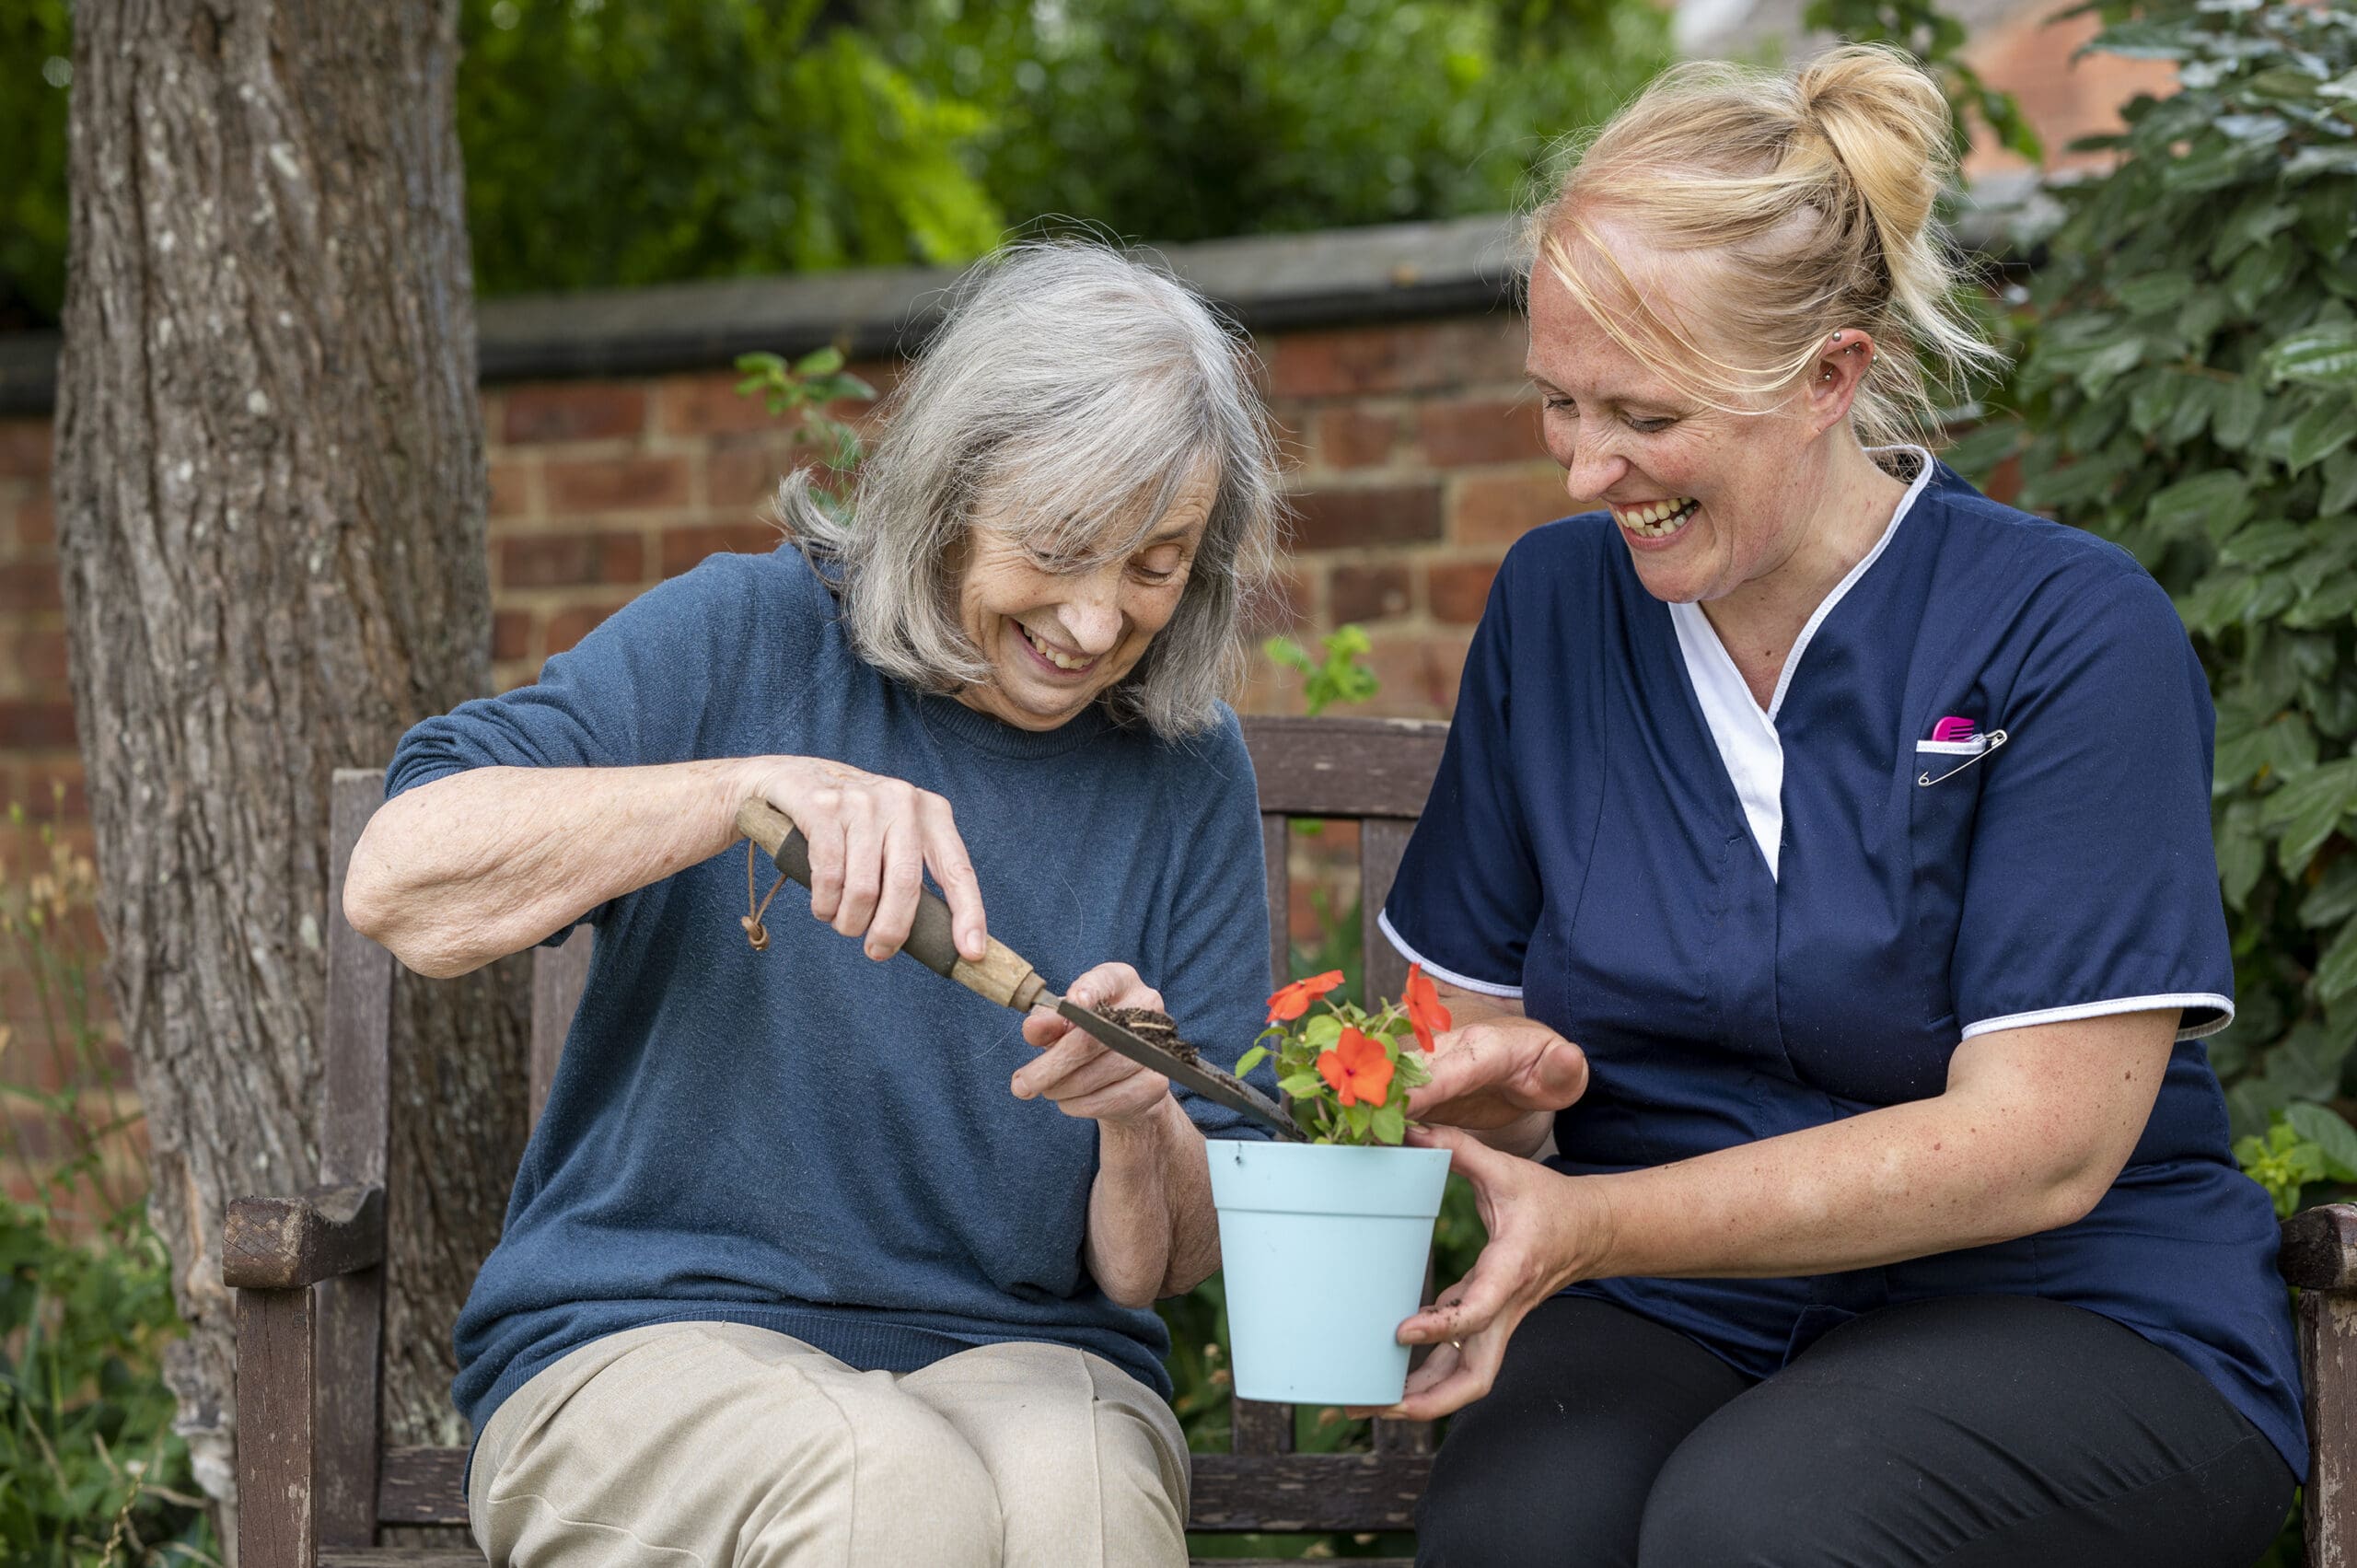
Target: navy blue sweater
801,1139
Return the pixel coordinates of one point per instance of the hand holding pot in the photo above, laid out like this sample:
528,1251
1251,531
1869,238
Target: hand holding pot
1083,1077
1543,1228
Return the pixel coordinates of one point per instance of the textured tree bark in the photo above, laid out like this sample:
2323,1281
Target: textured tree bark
271,499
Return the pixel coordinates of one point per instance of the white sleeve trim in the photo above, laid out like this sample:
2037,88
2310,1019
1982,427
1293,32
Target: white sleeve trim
1462,982
2224,1005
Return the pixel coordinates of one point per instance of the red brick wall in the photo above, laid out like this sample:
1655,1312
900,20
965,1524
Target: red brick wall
1413,454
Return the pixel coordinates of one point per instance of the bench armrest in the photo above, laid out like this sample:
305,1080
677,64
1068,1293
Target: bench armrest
2318,1250
293,1243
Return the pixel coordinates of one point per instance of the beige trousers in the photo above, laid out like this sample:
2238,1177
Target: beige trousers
713,1445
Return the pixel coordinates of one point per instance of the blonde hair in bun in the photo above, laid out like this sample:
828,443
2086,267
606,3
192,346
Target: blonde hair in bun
1812,191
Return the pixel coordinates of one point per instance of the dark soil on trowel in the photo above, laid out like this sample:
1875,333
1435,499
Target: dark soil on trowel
1154,1027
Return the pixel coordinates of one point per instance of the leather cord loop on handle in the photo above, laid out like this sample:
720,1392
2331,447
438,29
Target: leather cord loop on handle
755,932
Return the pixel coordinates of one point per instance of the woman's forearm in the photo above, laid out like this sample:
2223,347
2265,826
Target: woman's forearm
1152,1231
468,868
2031,1133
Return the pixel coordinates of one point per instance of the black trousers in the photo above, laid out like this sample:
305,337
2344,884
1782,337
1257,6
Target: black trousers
1980,1431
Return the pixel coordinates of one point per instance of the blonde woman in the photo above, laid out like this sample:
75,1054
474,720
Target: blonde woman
1822,860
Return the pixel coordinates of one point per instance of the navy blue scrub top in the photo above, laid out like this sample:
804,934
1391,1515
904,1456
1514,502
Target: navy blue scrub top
1771,922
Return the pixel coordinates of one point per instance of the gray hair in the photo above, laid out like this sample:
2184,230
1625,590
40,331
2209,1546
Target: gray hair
1077,381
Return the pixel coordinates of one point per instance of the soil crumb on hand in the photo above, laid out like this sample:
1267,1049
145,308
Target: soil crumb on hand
1156,1028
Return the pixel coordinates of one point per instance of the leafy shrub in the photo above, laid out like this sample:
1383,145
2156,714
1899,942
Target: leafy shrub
2188,389
1181,120
91,1470
611,145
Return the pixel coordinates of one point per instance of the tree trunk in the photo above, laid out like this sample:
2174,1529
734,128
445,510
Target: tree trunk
271,496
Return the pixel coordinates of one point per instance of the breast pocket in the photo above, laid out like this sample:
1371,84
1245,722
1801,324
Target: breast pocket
1944,785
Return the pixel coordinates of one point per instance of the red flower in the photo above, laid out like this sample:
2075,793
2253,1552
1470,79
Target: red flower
1426,1014
1291,1002
1358,1069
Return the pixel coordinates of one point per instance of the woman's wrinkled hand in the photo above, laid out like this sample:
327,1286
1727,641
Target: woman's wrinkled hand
1496,1072
1543,1230
1075,1071
872,840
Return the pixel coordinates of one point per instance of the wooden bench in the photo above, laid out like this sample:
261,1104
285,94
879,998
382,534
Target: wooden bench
313,1483
315,1487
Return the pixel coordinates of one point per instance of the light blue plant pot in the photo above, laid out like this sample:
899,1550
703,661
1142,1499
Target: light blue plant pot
1324,1251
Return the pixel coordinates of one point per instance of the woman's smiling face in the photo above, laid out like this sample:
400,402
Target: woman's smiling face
1059,635
1707,500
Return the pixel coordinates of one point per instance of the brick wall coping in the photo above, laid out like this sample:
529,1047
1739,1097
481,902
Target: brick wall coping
1269,282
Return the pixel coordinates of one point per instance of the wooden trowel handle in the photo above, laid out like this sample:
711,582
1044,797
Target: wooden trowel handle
1004,975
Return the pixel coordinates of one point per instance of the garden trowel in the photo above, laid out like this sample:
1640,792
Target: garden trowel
1007,978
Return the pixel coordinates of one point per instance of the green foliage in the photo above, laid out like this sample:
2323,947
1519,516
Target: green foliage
615,144
2189,387
2281,1161
1180,120
35,69
1341,676
90,1471
1344,1039
609,144
804,392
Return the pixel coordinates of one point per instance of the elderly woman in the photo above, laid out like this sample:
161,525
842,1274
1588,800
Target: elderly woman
1822,858
812,1257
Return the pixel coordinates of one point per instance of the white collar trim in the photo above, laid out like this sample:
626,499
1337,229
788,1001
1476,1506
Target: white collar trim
1746,738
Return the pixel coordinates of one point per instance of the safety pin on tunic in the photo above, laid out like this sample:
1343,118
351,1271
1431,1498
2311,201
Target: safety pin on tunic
1996,738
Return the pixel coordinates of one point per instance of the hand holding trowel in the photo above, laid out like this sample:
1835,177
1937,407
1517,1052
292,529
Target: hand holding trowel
1006,978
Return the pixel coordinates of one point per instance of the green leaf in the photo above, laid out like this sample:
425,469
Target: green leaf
2331,1133
2242,857
2326,426
2218,502
2336,967
1390,1123
2323,356
2238,420
1321,1030
2308,808
820,362
2340,485
2156,293
1301,1085
1251,1059
2109,363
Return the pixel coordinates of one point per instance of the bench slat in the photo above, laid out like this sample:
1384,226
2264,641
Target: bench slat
1232,1492
1325,767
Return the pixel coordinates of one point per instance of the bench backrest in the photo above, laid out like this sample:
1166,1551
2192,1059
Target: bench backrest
1374,772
